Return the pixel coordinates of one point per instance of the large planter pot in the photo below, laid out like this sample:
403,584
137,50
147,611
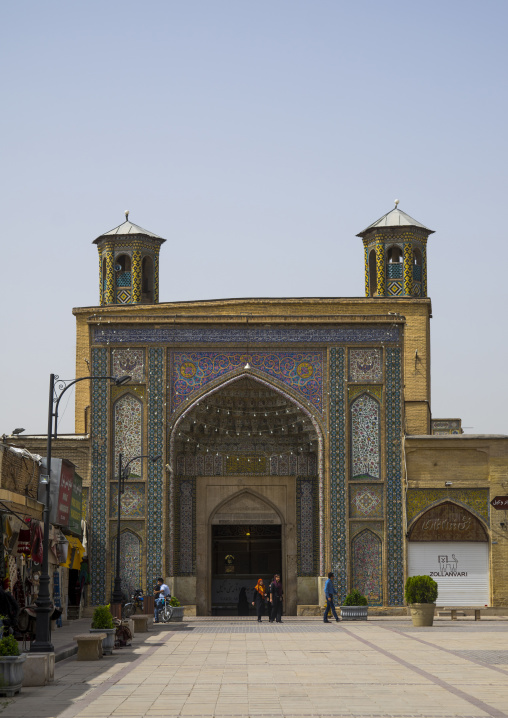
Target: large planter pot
11,674
177,613
108,643
422,613
353,613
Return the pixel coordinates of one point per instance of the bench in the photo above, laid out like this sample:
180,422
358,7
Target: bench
89,646
140,622
454,612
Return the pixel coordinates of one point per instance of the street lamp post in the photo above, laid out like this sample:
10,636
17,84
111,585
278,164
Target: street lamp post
42,642
123,475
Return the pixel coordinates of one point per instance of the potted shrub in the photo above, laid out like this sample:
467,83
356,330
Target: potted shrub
11,665
421,594
102,622
354,607
178,609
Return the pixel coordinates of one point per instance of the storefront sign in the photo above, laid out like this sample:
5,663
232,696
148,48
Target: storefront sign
65,487
500,502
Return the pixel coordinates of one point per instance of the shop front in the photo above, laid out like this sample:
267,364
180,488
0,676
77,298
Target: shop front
451,545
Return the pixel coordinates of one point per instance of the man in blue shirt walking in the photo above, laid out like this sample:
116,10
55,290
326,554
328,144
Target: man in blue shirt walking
329,592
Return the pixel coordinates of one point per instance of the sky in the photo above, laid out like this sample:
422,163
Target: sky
258,138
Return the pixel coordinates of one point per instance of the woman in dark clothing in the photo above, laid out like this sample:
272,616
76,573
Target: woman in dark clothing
259,598
276,594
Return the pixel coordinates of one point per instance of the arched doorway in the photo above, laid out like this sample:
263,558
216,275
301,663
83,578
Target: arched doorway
450,544
245,483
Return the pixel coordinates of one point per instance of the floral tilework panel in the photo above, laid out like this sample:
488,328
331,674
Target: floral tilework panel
185,522
366,501
128,413
301,371
477,500
365,439
307,538
365,365
130,561
366,552
130,362
132,500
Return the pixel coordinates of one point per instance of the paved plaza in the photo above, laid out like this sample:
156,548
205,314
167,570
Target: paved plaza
237,668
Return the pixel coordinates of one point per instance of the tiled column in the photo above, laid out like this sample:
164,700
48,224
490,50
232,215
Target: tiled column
338,514
99,499
136,276
110,276
380,268
408,269
156,471
394,497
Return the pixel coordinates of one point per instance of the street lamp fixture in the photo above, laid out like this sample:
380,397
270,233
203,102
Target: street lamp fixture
123,475
44,607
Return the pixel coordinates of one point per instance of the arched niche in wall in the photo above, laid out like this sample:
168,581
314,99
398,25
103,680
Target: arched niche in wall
130,560
447,522
365,437
367,569
128,423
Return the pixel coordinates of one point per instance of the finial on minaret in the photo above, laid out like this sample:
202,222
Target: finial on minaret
396,203
127,214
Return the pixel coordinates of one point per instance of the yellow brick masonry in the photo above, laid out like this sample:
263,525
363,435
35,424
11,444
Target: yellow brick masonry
414,314
471,462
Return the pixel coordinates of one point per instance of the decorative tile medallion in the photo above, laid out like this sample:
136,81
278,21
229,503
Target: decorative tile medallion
366,501
476,500
394,288
301,371
128,418
395,529
99,498
338,519
130,561
365,438
307,529
130,362
156,470
132,500
367,570
365,365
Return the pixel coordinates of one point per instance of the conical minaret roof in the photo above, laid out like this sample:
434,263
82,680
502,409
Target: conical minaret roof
395,218
128,228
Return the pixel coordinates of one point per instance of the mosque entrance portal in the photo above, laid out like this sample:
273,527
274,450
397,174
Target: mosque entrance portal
246,479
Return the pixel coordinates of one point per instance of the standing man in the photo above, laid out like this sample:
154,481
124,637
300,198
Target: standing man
329,593
276,594
162,591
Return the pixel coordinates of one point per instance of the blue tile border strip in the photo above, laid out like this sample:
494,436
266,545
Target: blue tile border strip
99,437
155,471
395,533
273,334
338,503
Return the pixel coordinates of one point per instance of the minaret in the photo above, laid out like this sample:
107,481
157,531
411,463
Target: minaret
395,248
129,265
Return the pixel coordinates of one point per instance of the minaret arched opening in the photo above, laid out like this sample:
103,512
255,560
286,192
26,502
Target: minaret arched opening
372,274
147,276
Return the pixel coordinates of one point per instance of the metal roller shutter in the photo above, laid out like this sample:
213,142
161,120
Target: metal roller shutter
461,570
